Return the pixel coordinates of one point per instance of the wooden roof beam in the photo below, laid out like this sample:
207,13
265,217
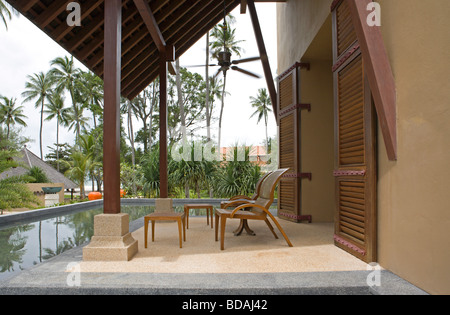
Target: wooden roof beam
94,44
49,14
189,22
379,73
263,53
138,37
28,4
183,44
243,6
150,21
62,30
137,66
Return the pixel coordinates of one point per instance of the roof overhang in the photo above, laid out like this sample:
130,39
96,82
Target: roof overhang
181,23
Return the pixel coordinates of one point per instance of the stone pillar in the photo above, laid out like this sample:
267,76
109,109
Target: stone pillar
112,240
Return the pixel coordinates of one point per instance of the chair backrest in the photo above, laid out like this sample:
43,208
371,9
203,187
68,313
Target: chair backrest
267,191
258,186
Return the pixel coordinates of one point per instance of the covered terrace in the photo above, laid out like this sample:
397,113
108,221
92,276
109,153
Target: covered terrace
129,43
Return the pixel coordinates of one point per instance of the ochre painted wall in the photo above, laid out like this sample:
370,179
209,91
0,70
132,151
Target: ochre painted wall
317,128
413,192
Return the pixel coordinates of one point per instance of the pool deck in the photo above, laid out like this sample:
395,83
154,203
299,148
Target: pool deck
249,265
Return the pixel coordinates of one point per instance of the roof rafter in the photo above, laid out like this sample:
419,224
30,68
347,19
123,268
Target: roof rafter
150,21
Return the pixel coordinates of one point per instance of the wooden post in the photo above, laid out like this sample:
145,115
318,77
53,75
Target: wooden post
111,129
163,170
263,53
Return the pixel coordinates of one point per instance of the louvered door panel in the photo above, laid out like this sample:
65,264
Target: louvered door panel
286,92
355,158
346,34
352,210
288,142
351,114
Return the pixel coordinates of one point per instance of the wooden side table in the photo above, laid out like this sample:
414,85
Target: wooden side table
209,209
179,217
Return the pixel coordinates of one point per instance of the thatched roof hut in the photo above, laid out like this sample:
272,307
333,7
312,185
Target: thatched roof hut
28,159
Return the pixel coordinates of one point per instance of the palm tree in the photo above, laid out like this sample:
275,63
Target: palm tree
262,104
215,92
6,11
56,110
90,86
77,121
65,75
39,87
10,114
224,40
79,167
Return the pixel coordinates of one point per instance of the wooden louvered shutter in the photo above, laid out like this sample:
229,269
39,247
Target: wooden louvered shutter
355,160
289,111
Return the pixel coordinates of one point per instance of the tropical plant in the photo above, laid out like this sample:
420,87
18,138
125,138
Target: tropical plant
13,191
186,105
65,74
80,166
56,110
143,107
237,176
10,114
188,172
224,39
262,104
215,88
6,12
38,175
38,87
89,145
89,88
150,173
77,121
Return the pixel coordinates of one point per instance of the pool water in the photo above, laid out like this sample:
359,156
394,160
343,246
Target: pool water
25,245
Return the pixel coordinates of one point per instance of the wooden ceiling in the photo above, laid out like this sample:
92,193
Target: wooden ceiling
181,22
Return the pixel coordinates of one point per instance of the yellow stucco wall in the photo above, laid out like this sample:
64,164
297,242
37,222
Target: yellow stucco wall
317,128
413,192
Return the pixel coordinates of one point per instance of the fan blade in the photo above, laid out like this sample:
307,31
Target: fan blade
218,72
236,62
198,66
245,72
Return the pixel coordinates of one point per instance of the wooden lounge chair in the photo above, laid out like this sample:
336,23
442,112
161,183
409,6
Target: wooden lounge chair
257,210
240,200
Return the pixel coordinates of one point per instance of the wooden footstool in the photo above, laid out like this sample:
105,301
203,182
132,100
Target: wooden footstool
161,216
209,209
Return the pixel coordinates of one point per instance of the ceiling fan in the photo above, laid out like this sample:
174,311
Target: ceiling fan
224,58
225,63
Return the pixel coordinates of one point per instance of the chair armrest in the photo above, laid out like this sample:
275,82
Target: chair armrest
240,197
248,205
235,203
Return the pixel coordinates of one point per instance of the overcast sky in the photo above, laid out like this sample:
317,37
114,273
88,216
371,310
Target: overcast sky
25,50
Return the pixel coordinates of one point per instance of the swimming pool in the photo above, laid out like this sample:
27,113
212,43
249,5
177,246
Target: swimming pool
29,242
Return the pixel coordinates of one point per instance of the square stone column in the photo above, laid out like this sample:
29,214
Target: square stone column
164,205
112,240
